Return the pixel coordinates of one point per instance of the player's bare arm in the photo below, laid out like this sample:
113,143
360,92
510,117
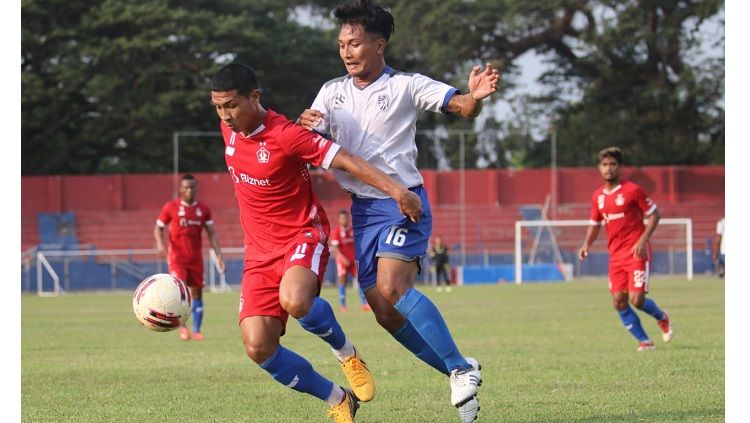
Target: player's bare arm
639,249
482,83
309,118
215,245
591,233
161,250
335,252
408,202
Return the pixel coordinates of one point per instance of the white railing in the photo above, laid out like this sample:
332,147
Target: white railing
687,222
120,262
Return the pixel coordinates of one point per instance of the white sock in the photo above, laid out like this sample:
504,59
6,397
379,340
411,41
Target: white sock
336,396
345,352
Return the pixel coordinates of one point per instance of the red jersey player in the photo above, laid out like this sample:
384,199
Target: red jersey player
342,248
286,233
186,219
622,205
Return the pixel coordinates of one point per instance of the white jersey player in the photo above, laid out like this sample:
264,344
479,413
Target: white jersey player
372,112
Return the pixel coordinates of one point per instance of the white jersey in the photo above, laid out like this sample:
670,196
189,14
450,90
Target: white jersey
379,123
720,231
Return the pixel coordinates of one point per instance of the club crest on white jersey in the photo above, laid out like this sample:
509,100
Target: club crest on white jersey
383,101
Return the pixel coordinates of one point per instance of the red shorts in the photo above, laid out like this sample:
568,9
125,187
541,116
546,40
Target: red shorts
629,274
261,279
342,270
191,274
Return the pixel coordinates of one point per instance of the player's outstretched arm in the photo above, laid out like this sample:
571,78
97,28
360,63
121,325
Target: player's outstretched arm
482,83
408,202
591,233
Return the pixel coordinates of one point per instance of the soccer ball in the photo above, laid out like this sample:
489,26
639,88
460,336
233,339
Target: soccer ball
162,302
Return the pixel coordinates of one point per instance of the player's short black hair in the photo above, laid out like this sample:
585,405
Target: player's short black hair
613,152
373,17
235,76
187,177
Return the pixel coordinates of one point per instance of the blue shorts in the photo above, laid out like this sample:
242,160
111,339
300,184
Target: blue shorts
380,230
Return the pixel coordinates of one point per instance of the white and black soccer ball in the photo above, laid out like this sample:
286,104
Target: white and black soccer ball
162,302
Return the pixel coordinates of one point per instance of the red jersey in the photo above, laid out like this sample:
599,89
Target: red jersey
343,239
623,210
272,184
186,222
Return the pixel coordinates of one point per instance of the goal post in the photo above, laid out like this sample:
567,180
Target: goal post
686,223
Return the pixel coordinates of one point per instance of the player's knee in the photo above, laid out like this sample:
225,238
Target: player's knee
196,293
391,320
620,303
259,353
295,305
392,289
638,301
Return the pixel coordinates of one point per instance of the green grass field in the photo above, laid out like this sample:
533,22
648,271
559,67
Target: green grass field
550,353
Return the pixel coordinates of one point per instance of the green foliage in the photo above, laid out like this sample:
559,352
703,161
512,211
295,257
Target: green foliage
105,84
550,353
633,74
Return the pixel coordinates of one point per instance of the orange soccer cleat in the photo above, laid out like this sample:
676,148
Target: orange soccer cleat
184,333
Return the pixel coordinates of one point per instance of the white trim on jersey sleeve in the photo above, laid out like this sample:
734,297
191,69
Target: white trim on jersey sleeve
650,211
159,223
330,155
595,222
209,222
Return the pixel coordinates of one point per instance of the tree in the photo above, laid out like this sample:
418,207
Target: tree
621,72
104,84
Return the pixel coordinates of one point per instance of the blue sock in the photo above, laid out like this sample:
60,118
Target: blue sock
292,370
429,323
342,295
633,324
197,314
651,308
321,321
361,295
409,338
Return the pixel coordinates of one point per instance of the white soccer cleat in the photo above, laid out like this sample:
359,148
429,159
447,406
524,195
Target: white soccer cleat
646,346
464,382
666,327
467,412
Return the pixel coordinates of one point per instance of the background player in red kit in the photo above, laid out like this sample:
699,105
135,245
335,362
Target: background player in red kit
342,248
622,205
286,235
186,218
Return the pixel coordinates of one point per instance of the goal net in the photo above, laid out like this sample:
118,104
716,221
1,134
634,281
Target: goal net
555,243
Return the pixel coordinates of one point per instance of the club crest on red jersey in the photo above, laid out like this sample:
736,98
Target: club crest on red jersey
263,155
620,199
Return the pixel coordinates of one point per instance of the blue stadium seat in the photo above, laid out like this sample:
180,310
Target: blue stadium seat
57,230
